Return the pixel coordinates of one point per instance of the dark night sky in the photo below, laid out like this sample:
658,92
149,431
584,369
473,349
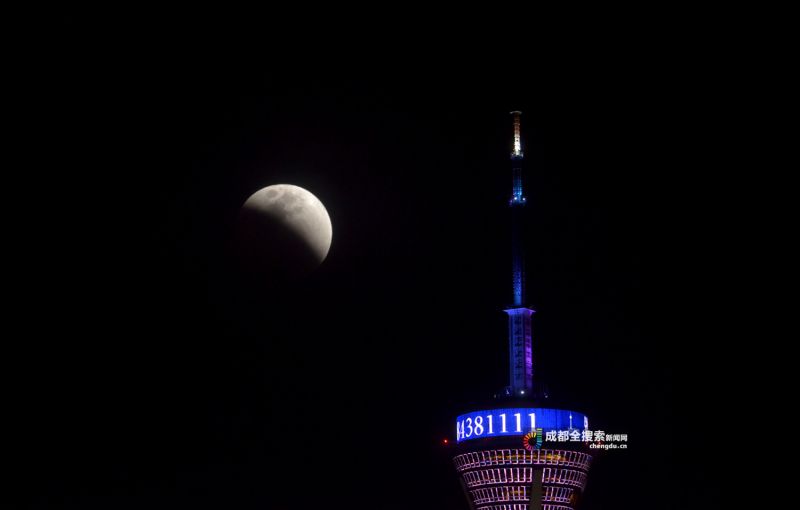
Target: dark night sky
150,377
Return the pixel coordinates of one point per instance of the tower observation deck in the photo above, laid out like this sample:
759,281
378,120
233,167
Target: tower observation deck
505,456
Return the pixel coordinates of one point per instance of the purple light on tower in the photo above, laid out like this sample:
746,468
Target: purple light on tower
520,349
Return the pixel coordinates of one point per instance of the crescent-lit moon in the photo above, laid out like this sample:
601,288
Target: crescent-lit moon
286,227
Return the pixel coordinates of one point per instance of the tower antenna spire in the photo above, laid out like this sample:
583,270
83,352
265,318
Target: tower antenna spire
517,152
519,316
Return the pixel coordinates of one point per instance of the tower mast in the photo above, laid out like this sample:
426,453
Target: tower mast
519,316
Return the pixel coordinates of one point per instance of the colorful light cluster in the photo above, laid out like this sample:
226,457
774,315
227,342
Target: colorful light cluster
532,439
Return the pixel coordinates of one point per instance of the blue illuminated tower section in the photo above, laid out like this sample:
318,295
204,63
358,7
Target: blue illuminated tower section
520,346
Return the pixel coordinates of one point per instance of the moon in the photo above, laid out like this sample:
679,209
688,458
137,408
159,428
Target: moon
283,230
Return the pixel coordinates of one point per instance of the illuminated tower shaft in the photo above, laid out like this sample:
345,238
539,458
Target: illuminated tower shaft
519,316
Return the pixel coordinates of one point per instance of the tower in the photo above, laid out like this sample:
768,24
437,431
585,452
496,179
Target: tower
515,454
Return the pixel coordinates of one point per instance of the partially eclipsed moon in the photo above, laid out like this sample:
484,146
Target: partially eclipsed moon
284,228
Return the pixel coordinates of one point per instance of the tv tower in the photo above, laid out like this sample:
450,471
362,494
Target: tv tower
514,454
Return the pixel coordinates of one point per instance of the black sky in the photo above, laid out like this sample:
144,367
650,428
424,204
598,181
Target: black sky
151,378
